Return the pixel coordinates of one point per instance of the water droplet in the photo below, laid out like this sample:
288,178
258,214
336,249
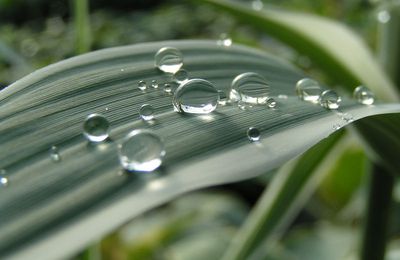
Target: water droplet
364,95
55,154
249,87
257,5
253,134
181,76
308,90
330,99
146,112
223,98
142,85
336,126
122,70
107,109
3,181
167,88
347,117
96,128
154,84
224,40
141,150
169,60
383,16
271,103
196,96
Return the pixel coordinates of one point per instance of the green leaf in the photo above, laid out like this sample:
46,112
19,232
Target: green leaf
341,54
67,204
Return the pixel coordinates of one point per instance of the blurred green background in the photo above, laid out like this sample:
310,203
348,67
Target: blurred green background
36,33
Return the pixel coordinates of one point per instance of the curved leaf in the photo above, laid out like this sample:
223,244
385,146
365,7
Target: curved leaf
66,204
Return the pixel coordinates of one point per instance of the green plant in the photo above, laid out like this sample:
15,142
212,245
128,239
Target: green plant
82,196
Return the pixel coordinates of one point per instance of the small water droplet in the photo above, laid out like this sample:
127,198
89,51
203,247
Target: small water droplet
146,112
107,109
253,134
336,126
141,150
257,5
142,85
181,76
282,96
271,103
223,98
244,106
224,40
330,99
169,59
167,89
383,16
55,154
122,70
196,96
3,181
308,90
347,117
96,128
154,84
364,95
249,87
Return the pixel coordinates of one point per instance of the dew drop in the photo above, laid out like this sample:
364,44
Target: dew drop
3,181
96,128
253,134
169,59
142,85
249,87
257,5
141,150
347,117
196,96
55,154
330,99
154,84
383,16
223,98
167,88
146,112
308,90
224,40
364,95
271,103
181,76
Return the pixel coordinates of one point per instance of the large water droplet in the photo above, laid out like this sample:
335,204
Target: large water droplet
146,112
55,154
364,95
169,60
142,85
224,40
181,76
253,134
196,96
141,150
250,87
96,128
308,90
330,99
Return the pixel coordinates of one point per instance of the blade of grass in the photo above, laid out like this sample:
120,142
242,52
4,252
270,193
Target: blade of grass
82,26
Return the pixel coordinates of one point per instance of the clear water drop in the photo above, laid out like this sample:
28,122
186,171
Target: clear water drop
271,103
253,134
55,154
330,99
96,128
223,98
364,95
142,85
169,59
141,150
224,40
249,87
146,112
257,5
383,16
167,89
181,76
196,96
3,181
154,84
308,90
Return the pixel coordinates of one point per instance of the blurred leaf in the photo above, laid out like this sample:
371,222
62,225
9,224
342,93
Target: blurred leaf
66,204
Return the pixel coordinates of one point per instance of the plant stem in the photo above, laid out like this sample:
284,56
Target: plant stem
82,26
380,195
